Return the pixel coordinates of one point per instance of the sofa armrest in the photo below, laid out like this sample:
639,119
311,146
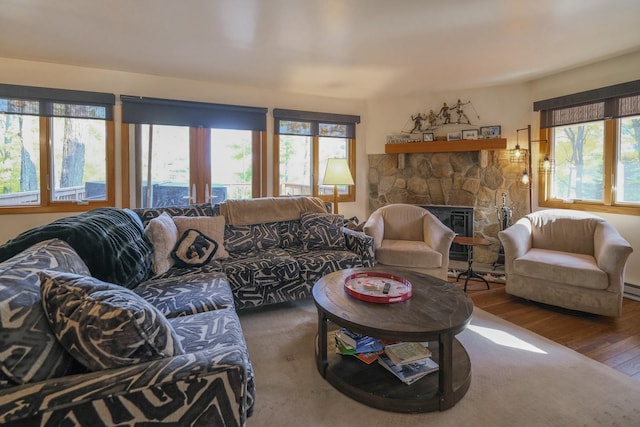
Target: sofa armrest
611,251
516,241
362,245
195,384
438,236
374,227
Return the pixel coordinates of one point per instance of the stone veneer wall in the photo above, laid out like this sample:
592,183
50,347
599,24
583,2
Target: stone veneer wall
472,179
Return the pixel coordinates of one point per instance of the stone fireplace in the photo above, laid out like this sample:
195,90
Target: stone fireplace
472,179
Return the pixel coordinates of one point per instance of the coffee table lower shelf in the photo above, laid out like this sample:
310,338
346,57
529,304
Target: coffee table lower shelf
374,386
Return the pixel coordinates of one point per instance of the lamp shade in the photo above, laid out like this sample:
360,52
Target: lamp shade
337,173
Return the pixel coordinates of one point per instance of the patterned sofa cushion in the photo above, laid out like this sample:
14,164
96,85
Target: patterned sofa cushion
29,351
193,292
322,231
103,325
316,264
147,214
217,331
290,233
248,238
260,268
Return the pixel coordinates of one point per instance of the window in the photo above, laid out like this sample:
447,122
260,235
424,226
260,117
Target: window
56,149
303,143
628,161
190,152
594,139
578,151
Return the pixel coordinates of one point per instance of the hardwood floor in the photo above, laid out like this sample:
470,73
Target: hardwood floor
612,341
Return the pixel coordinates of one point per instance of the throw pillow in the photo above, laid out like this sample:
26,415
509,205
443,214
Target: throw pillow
163,235
103,325
210,226
29,350
194,249
322,231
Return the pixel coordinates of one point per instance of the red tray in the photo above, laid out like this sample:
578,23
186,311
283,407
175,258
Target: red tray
368,286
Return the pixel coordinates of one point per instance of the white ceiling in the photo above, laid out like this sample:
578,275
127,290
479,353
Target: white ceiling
355,49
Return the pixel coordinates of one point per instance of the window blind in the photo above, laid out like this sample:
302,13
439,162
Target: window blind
308,123
50,102
609,102
141,110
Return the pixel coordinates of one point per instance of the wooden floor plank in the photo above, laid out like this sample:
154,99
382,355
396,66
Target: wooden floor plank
614,342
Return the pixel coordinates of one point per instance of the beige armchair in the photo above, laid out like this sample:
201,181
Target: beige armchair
411,237
568,259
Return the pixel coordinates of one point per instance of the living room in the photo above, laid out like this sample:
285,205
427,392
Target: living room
384,105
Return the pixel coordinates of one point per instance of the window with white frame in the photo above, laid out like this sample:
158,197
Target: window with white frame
56,149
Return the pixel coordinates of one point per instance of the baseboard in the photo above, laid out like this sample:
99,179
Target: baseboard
631,291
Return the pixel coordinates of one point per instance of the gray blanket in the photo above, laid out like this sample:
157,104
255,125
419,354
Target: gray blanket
111,242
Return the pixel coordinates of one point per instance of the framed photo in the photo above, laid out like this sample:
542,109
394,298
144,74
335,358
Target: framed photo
428,137
454,136
470,134
490,132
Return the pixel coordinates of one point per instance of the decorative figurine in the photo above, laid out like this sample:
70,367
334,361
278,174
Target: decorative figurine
445,114
417,122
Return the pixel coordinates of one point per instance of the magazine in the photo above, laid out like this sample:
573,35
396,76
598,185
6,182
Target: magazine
409,372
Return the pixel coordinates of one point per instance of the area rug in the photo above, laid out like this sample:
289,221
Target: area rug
518,379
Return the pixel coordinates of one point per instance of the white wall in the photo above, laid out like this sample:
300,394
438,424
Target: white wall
507,106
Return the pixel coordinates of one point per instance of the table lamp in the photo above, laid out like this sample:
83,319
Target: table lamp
337,173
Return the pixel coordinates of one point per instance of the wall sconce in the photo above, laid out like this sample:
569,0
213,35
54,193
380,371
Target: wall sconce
337,173
525,179
517,154
546,165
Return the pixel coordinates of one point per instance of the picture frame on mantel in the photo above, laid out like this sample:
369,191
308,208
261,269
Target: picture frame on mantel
470,134
428,137
489,132
454,136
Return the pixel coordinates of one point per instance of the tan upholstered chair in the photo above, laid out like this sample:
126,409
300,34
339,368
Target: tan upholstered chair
411,237
568,259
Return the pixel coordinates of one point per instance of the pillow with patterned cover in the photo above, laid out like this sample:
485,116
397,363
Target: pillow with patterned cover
322,231
103,325
29,350
210,226
163,235
194,249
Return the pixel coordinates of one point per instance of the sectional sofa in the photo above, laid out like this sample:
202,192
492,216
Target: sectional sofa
105,322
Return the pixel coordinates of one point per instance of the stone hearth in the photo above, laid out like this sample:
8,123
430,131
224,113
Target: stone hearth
474,179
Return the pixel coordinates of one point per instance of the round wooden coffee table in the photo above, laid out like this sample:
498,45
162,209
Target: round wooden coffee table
435,313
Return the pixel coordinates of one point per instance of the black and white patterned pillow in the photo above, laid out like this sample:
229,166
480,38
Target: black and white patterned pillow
194,249
29,351
322,231
103,325
290,233
248,238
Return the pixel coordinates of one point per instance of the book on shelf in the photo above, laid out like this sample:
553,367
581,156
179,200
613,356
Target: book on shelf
406,352
368,350
409,372
360,343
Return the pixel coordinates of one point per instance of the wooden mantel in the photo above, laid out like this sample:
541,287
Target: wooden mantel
447,146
